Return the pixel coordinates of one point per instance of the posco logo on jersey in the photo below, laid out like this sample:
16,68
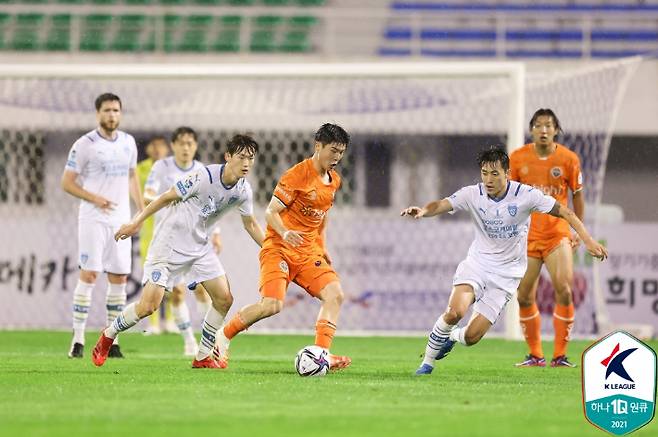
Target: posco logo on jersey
307,211
619,383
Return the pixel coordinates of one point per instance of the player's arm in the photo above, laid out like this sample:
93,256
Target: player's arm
273,218
578,200
160,202
69,183
432,209
216,240
595,249
134,189
253,228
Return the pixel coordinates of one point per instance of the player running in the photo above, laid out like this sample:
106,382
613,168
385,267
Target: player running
163,175
181,244
555,170
294,248
497,259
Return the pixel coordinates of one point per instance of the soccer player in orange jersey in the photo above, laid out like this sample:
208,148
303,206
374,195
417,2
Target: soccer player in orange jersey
294,247
554,169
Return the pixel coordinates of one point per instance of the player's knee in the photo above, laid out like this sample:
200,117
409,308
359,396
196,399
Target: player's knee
177,297
88,276
452,315
525,300
563,286
336,296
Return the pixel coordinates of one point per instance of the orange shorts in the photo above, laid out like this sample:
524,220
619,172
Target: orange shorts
278,269
542,248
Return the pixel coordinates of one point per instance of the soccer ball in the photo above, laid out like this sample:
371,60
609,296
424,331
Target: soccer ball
312,361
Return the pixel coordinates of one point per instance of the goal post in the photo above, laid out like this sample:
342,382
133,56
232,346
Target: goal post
415,127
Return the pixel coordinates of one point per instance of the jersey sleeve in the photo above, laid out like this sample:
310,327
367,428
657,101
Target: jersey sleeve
575,175
247,205
191,184
460,199
539,201
77,159
133,157
153,179
289,186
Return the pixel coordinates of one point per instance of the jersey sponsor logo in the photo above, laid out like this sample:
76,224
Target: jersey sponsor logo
232,200
556,172
284,267
550,190
181,187
307,211
155,275
512,210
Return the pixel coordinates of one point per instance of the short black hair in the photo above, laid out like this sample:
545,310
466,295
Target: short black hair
332,133
183,130
106,97
155,138
546,112
240,143
492,155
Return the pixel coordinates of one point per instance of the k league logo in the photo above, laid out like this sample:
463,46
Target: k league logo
619,383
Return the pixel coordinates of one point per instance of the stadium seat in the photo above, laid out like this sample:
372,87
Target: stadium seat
208,2
267,21
172,24
103,2
195,34
138,2
276,2
173,2
240,2
262,41
95,29
4,20
72,2
302,21
130,34
59,34
26,33
310,2
295,42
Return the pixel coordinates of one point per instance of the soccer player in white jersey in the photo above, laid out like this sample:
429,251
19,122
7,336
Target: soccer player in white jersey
181,244
163,175
100,171
497,258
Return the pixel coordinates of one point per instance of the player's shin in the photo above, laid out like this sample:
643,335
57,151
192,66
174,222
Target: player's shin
211,324
438,337
115,301
126,320
81,303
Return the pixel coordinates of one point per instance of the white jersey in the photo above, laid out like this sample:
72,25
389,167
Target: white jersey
164,174
104,168
186,224
501,237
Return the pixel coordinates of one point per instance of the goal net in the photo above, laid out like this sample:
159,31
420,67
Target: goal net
416,129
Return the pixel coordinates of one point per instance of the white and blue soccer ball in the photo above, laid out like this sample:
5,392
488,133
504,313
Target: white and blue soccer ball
312,361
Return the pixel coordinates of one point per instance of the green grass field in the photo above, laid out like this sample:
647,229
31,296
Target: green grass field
475,391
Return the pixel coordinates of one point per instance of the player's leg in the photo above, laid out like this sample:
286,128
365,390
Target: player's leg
181,314
149,301
559,263
438,342
202,298
145,236
90,259
529,315
220,294
117,261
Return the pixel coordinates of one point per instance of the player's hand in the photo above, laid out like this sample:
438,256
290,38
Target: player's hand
596,249
127,230
104,204
574,241
293,238
414,211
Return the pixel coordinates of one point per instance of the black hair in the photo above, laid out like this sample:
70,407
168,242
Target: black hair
106,97
332,133
183,130
546,112
155,138
492,155
240,143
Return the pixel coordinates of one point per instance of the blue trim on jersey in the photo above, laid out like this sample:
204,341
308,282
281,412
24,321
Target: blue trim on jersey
221,172
480,188
209,175
92,139
183,169
498,199
109,141
517,190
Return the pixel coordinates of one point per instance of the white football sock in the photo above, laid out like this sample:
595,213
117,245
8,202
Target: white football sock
81,304
440,333
212,322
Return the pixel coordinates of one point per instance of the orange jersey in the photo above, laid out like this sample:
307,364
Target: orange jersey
307,199
554,175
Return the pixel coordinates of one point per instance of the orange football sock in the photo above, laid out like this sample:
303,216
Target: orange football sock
324,333
562,323
234,327
531,324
